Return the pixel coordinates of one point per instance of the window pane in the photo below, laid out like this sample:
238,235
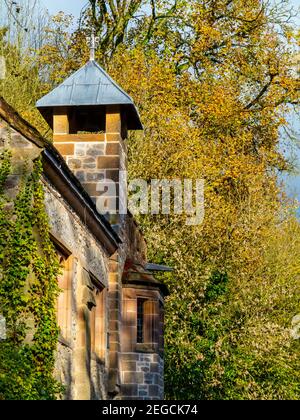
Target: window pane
140,320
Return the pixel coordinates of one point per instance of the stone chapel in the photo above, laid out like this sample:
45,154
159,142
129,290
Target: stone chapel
110,310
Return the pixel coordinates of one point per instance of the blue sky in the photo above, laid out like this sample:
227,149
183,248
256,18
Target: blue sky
75,6
68,6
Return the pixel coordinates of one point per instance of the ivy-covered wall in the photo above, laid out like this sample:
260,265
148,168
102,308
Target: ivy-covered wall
36,361
28,280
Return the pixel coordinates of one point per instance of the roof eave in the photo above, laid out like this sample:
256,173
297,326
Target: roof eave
133,118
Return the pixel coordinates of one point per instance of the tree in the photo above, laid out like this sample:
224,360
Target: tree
22,84
228,315
218,118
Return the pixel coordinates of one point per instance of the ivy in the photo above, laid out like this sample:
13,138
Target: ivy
28,289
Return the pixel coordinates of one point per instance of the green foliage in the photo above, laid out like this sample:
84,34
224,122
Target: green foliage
216,286
235,286
228,346
22,86
28,290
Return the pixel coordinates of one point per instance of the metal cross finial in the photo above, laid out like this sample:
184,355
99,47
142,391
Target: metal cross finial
93,41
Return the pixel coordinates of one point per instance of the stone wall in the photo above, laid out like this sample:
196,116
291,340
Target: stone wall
142,376
95,157
70,230
83,374
142,362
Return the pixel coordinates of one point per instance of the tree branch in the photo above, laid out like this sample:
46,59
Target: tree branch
261,93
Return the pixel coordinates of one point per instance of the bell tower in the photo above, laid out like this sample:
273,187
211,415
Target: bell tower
90,116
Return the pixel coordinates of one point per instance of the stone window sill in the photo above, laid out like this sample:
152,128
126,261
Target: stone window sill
145,348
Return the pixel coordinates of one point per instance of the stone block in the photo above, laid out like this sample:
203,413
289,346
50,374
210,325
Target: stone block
112,175
74,163
130,357
60,121
113,138
153,391
78,138
113,119
66,149
114,325
154,367
133,377
113,380
114,315
145,358
129,319
142,365
112,149
114,296
129,366
89,163
95,150
114,337
94,176
149,379
156,358
79,150
91,188
108,162
113,304
114,347
115,287
129,390
19,141
143,394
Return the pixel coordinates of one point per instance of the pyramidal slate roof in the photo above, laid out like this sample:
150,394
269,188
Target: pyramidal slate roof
91,86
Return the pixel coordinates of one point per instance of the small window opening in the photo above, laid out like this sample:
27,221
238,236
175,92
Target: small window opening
140,320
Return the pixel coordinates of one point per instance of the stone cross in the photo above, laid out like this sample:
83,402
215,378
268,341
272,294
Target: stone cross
93,41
